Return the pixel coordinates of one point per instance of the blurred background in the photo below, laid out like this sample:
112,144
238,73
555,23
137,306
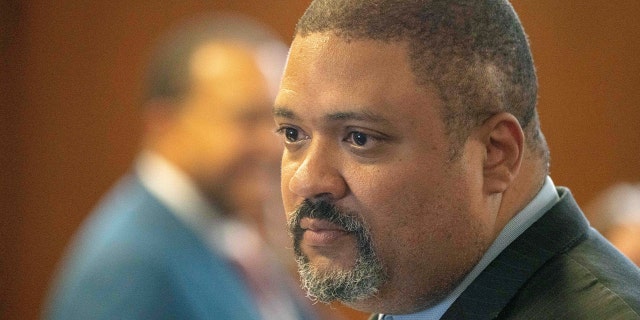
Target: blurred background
70,83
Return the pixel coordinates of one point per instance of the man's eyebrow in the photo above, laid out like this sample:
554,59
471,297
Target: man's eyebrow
282,112
356,115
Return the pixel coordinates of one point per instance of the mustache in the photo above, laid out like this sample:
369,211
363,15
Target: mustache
324,210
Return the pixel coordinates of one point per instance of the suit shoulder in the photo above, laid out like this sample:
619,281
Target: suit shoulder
589,281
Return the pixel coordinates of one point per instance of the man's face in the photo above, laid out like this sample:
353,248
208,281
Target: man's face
381,218
227,127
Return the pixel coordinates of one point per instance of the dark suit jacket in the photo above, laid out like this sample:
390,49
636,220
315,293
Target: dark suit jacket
135,260
559,268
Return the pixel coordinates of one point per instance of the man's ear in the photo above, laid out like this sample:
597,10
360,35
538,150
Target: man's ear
503,139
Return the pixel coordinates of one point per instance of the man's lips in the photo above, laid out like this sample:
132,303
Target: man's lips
320,232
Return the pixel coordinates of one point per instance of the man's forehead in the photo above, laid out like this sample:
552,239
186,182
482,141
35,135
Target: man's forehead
330,58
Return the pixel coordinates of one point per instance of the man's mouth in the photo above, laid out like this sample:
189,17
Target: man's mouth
319,232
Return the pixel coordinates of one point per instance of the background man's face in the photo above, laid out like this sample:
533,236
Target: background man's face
226,117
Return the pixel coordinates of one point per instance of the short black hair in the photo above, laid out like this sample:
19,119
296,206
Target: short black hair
474,53
168,75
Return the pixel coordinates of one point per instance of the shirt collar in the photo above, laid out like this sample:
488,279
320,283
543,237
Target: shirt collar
177,191
541,203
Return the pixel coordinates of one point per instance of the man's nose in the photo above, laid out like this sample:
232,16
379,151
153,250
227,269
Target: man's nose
317,174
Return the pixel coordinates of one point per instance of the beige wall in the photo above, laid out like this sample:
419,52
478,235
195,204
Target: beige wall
70,74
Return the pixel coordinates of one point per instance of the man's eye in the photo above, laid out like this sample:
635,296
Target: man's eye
358,138
361,141
290,134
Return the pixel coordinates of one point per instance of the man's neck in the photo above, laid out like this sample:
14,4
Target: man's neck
525,187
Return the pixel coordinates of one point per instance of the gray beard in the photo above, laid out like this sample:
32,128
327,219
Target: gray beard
360,282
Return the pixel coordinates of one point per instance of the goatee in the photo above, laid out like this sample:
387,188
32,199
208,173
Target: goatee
360,282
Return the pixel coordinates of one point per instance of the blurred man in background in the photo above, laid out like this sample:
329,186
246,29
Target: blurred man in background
175,238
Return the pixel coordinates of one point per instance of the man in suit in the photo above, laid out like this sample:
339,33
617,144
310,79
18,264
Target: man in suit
415,174
171,241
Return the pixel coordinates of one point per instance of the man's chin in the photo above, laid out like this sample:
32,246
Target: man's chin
328,280
332,253
323,260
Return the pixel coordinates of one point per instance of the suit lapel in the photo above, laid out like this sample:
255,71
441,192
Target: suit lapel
491,291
